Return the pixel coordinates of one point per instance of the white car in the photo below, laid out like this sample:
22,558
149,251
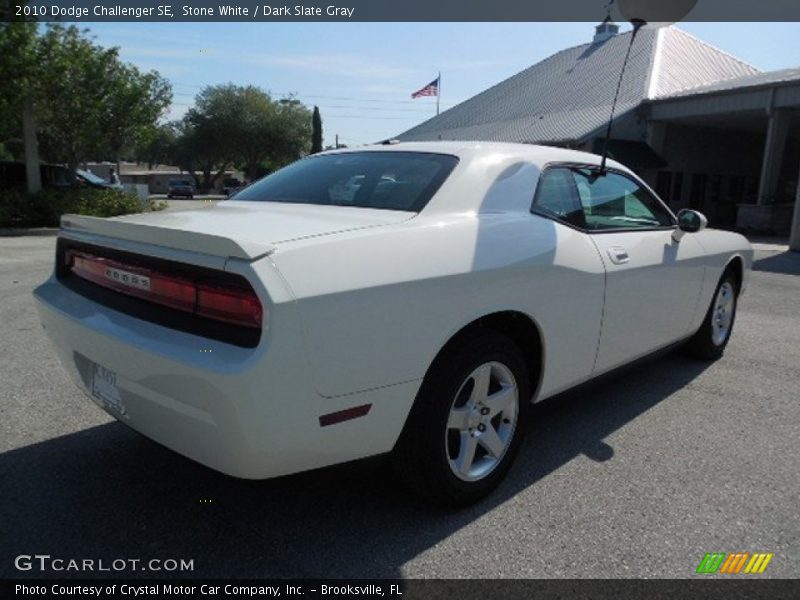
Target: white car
297,327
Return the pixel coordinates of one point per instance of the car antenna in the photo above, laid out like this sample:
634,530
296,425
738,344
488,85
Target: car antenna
637,25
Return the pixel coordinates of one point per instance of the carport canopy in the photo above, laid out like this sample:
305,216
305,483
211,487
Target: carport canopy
766,102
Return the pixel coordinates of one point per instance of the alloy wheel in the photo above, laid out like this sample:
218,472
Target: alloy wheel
482,421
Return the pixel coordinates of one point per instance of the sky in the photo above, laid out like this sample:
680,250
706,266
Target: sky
361,75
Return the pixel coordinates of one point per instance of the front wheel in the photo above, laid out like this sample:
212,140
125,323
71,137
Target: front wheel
467,423
711,339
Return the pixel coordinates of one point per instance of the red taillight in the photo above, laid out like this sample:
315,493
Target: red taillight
176,293
232,304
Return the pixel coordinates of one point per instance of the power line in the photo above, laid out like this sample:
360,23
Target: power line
373,108
349,106
367,99
372,118
341,116
344,98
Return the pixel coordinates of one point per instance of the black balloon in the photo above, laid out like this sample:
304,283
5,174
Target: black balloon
655,12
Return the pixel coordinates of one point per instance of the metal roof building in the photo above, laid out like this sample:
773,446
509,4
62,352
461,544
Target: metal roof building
567,97
705,129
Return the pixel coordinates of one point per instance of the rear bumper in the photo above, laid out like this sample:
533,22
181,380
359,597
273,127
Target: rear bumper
248,412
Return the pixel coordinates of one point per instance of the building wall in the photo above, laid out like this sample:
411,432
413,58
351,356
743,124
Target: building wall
158,181
709,169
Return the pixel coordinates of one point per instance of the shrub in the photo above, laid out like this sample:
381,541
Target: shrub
158,205
44,209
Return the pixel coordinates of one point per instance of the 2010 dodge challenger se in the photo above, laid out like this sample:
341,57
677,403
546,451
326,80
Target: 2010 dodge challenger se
411,298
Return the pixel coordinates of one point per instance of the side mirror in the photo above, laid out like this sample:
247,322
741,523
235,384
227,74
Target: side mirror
689,221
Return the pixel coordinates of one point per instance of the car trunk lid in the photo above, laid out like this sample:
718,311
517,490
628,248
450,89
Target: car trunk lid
245,230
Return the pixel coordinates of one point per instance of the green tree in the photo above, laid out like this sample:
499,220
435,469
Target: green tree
316,132
134,102
240,126
247,119
17,68
78,98
72,82
155,144
292,134
17,119
89,103
200,147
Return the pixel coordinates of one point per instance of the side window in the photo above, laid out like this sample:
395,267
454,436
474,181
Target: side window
613,201
557,197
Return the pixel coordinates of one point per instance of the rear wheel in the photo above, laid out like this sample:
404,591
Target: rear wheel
711,339
467,423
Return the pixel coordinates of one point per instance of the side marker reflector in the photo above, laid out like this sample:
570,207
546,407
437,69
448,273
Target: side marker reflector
344,415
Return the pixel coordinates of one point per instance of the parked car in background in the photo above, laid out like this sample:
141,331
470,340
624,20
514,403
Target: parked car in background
183,188
412,299
13,174
92,180
231,185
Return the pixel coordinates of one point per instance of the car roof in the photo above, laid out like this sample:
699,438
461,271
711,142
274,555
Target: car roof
493,176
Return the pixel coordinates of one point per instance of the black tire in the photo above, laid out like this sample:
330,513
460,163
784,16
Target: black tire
169,196
706,344
424,451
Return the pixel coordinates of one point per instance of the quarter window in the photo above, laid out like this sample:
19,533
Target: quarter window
557,197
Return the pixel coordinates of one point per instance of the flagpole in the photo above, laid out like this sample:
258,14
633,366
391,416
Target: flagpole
438,92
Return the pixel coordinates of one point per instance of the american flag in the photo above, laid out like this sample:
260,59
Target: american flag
432,89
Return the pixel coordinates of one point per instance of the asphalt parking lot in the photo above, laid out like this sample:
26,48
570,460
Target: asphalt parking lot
638,476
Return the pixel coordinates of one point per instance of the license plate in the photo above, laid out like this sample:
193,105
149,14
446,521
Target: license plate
104,388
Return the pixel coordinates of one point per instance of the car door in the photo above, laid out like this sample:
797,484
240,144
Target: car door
653,283
568,301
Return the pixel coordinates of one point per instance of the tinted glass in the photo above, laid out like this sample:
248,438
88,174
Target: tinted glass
387,180
613,201
557,197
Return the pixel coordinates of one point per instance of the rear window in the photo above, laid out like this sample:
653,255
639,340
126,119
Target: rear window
385,180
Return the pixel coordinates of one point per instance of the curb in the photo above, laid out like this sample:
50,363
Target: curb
28,231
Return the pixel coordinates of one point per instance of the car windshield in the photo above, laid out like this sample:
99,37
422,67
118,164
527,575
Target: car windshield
91,177
180,182
385,180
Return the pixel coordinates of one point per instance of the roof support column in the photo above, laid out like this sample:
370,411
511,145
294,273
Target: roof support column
777,130
656,134
794,238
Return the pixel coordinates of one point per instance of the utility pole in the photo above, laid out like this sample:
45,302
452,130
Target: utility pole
34,177
438,91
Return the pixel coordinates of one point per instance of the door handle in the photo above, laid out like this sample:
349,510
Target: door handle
618,255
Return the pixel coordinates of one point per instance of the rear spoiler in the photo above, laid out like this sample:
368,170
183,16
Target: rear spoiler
191,241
